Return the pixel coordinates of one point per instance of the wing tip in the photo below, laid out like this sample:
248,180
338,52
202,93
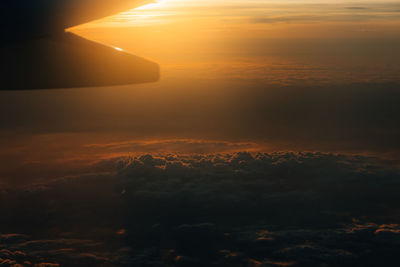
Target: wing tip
69,61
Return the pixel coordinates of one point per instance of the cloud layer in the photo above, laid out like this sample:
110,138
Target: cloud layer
239,209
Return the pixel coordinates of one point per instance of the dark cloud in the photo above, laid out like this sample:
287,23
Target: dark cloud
243,183
287,19
51,253
239,209
313,18
202,206
356,8
334,13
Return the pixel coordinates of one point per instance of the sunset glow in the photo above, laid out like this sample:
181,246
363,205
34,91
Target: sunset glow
217,133
157,5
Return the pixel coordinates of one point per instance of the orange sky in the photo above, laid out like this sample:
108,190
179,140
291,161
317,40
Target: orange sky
238,36
235,75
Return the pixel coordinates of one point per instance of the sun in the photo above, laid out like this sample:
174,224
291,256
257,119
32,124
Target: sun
157,4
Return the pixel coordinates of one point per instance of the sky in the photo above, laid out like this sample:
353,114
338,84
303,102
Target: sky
235,75
271,139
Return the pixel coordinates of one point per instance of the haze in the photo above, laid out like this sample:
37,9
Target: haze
272,139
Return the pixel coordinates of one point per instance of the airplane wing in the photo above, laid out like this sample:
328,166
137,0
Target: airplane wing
37,53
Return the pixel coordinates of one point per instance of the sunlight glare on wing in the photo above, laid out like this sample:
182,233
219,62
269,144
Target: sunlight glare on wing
153,13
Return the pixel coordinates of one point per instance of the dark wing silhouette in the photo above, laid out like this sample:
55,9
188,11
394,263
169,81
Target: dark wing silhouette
37,53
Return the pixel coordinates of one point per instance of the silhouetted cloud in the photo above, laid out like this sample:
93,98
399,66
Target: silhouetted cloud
356,8
334,13
226,209
51,253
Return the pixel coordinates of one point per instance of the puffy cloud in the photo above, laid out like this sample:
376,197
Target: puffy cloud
243,203
235,209
51,253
